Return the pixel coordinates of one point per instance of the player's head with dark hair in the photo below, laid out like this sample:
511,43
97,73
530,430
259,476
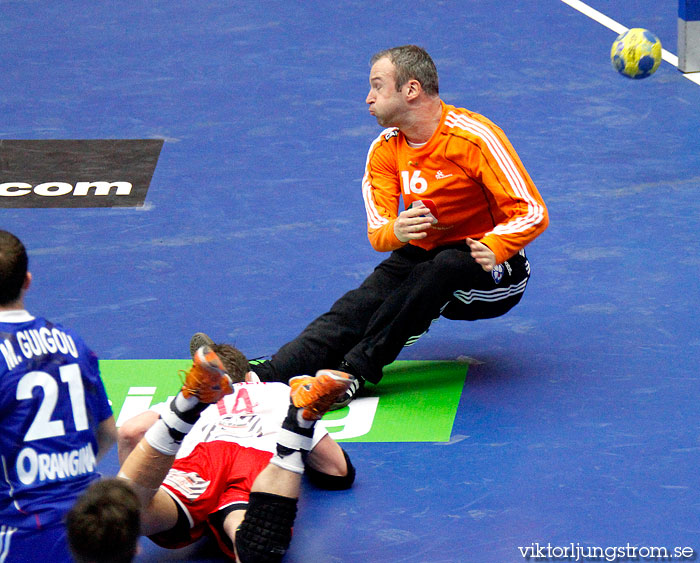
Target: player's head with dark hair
13,267
412,63
235,363
104,524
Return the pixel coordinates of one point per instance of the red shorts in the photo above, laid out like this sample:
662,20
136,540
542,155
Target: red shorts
216,475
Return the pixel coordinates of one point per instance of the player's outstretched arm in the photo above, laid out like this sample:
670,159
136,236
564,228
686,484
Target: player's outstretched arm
131,432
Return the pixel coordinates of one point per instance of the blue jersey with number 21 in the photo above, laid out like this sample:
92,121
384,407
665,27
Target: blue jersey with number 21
51,401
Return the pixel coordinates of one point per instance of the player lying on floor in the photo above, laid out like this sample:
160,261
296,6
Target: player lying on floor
251,416
245,496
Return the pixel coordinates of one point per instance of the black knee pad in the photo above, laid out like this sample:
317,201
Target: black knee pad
332,482
266,531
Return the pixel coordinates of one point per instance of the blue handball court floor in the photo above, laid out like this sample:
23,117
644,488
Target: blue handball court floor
575,420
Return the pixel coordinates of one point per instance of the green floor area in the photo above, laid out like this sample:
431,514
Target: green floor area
411,391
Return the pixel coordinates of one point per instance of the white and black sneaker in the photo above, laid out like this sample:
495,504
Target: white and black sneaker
356,384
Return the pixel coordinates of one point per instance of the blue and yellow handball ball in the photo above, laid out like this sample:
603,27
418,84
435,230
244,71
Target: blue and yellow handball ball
636,53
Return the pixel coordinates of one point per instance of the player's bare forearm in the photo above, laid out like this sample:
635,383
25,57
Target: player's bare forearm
106,436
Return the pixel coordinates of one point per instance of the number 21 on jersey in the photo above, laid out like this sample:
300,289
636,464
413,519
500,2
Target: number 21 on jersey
43,425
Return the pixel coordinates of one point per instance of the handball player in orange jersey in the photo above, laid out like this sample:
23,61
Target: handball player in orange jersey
457,245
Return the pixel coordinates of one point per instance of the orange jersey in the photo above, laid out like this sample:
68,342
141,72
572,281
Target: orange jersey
471,173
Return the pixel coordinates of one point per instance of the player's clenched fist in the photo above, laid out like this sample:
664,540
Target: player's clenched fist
413,223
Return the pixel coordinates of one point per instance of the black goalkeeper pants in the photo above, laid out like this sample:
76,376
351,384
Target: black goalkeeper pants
368,326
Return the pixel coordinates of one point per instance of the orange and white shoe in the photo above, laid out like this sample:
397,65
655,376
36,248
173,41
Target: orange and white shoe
315,395
207,379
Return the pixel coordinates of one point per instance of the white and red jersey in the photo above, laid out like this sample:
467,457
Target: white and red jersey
251,416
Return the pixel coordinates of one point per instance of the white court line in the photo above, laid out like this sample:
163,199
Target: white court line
618,28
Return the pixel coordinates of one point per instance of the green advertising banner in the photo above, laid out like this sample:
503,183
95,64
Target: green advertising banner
416,401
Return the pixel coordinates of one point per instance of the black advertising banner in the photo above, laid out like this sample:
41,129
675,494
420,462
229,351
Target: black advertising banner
77,173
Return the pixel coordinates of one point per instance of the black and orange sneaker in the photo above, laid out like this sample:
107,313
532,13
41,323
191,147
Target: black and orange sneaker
207,379
315,395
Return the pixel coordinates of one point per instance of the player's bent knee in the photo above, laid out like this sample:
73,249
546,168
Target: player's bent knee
266,531
455,261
